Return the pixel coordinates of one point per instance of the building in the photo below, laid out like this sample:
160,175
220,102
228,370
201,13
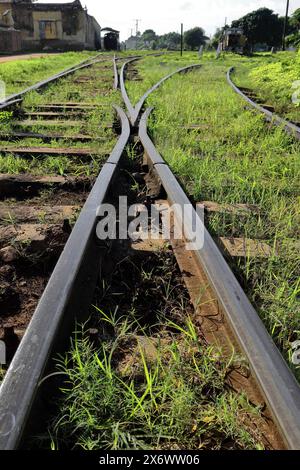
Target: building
10,38
29,26
110,40
234,40
132,42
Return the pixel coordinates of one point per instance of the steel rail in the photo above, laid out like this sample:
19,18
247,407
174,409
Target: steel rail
10,103
17,97
134,111
275,379
69,289
77,266
152,54
288,126
128,104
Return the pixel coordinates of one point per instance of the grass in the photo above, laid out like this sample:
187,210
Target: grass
96,122
152,383
147,379
50,165
2,373
159,67
234,157
274,79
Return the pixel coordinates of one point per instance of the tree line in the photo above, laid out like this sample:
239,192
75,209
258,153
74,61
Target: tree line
193,38
264,27
261,27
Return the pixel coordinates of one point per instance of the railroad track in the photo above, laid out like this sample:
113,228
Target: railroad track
268,111
37,211
227,318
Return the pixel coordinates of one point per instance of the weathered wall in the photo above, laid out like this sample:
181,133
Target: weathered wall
54,26
22,15
52,22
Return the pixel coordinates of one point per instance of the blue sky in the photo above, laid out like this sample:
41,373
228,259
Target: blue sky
166,15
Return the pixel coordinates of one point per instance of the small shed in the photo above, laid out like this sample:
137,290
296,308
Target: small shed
234,40
110,39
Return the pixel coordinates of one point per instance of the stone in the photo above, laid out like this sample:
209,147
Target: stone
8,254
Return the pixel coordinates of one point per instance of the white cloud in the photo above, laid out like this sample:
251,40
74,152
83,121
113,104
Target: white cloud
166,15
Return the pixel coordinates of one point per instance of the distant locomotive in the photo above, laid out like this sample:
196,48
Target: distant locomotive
234,40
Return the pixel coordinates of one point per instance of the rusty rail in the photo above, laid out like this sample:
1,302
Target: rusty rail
275,379
18,97
78,266
69,289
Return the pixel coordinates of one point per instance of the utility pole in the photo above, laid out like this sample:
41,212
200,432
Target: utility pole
136,31
181,42
137,26
224,31
285,24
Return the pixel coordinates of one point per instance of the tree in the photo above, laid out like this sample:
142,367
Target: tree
194,38
261,26
293,38
169,41
295,20
149,35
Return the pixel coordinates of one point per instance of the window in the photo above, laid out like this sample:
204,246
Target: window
48,29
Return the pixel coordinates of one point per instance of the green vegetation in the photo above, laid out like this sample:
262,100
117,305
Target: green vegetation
5,117
150,40
293,39
275,79
264,28
150,71
146,379
23,73
229,155
91,86
261,26
152,383
194,38
59,165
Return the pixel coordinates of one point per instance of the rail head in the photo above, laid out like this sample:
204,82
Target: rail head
20,386
128,104
288,126
134,111
116,74
276,381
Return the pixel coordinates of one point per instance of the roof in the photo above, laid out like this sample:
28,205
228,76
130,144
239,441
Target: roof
110,30
76,4
234,31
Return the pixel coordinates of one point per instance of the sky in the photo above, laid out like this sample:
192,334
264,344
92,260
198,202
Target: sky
166,15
